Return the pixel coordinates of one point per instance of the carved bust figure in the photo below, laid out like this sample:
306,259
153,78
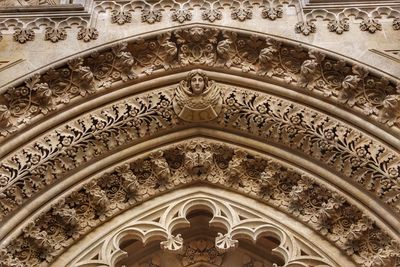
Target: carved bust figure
197,98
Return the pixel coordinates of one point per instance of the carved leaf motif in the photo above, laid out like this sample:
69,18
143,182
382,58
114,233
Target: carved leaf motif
121,17
338,26
151,15
87,34
370,24
22,35
181,15
55,34
305,27
272,13
211,14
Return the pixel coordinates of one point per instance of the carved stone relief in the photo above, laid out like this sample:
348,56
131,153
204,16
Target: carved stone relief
197,99
264,57
317,136
325,211
194,252
369,17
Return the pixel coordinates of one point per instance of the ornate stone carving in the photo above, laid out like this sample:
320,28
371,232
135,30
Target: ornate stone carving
120,16
151,15
22,35
371,25
201,250
86,34
224,242
272,13
305,28
271,58
241,10
339,26
55,34
198,159
181,15
196,46
211,14
390,113
112,66
173,243
197,98
325,211
358,157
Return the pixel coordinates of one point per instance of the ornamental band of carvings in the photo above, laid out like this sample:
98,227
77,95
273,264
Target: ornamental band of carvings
298,128
200,160
274,60
368,17
314,135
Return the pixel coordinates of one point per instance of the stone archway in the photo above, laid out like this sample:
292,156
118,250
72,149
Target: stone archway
276,107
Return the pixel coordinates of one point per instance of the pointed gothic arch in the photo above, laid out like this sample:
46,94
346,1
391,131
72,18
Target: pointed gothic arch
120,109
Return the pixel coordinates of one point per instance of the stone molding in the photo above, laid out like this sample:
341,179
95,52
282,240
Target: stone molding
199,160
370,16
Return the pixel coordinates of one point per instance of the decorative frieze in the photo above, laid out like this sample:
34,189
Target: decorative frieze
266,57
196,160
339,17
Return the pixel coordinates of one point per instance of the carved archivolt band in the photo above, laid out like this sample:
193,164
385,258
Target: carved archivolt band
53,154
209,162
226,213
334,144
261,57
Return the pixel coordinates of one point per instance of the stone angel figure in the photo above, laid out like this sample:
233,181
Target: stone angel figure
197,98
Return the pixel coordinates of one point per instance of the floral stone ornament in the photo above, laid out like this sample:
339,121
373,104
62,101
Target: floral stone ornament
197,98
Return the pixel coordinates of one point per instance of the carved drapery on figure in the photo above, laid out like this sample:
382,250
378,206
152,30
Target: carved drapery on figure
197,98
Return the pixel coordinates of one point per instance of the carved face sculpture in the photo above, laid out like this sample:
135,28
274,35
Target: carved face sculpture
197,84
